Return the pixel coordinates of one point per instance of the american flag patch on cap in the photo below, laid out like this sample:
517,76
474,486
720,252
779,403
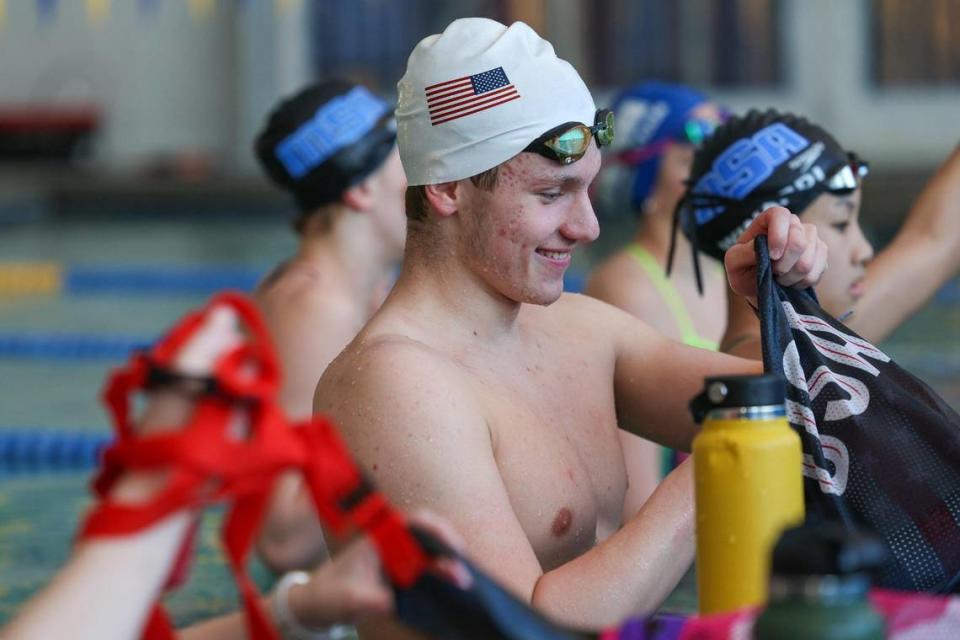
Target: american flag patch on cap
464,96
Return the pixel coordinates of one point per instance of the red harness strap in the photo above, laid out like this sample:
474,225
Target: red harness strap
207,465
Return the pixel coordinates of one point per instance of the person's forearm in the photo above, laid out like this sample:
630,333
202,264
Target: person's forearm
107,587
316,605
742,335
291,537
923,255
109,584
633,570
936,213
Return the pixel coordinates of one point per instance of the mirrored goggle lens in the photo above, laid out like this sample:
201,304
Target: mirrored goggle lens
696,131
572,142
862,169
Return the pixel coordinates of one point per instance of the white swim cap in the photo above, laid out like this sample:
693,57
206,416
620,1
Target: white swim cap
478,94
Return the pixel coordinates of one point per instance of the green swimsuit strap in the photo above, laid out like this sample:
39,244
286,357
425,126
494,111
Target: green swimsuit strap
688,334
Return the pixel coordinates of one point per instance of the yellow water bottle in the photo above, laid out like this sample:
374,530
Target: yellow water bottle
749,487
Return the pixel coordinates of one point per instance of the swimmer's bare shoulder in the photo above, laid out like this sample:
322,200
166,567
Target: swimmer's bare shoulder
378,368
610,277
310,323
622,282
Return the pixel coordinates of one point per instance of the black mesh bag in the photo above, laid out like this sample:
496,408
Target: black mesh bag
881,450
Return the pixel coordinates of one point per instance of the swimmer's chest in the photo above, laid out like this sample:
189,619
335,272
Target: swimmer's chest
557,449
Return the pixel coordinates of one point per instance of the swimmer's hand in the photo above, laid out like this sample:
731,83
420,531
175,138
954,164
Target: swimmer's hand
168,409
797,254
351,587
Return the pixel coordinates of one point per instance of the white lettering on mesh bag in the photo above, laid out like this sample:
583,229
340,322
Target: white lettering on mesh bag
850,351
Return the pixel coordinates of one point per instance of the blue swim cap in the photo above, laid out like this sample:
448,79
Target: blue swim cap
646,114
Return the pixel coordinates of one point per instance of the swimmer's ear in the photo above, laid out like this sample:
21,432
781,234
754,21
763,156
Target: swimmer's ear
361,196
443,197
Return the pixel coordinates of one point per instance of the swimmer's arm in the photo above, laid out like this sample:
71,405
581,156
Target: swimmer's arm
308,332
919,260
107,587
346,589
109,584
644,463
742,335
655,378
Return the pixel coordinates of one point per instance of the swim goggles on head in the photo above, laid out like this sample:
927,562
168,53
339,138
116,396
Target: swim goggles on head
569,142
693,132
696,130
847,179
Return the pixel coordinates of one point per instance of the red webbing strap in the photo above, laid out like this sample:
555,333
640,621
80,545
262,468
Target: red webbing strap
333,479
207,466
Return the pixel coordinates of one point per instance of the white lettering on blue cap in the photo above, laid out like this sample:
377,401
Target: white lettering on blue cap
338,123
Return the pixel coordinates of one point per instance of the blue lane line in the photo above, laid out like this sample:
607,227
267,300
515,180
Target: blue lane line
574,281
172,280
61,346
28,449
158,280
949,294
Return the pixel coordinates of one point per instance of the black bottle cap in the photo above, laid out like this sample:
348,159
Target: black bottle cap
827,548
738,391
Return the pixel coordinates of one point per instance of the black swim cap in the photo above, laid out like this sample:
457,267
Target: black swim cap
324,140
753,162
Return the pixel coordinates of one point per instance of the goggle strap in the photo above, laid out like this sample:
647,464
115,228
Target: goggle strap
695,243
673,235
679,211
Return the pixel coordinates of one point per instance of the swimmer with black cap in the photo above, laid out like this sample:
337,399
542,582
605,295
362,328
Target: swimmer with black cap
766,158
333,147
659,126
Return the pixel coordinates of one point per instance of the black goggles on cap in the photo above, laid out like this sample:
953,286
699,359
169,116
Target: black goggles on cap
569,142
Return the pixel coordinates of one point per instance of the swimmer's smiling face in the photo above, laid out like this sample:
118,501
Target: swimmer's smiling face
519,237
837,219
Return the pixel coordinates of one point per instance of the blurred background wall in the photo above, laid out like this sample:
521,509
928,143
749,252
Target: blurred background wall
175,76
